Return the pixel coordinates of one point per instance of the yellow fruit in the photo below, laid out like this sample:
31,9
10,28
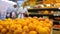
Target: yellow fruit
45,31
38,28
17,32
13,27
20,29
18,25
48,25
32,32
23,32
31,26
46,12
26,29
9,19
48,30
8,33
24,24
47,20
4,30
1,27
50,22
35,17
42,30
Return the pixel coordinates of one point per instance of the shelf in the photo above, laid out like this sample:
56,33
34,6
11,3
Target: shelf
39,15
56,28
38,9
56,22
51,16
42,14
56,16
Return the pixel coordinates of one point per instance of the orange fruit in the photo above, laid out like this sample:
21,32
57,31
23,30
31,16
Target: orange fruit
31,26
4,30
48,30
1,27
32,32
49,25
41,30
35,17
23,33
26,29
19,29
17,32
8,33
38,28
13,27
47,20
40,19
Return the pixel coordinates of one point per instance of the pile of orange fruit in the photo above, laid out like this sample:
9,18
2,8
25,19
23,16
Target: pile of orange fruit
26,26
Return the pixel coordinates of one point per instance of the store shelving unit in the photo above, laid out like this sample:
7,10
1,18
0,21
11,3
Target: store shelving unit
51,16
40,9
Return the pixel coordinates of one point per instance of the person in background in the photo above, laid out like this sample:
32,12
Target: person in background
8,11
22,11
11,12
0,14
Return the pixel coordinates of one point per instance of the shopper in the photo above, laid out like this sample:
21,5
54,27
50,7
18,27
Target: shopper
11,12
22,11
8,11
0,14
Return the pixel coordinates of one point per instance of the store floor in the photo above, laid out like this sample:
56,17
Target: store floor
56,32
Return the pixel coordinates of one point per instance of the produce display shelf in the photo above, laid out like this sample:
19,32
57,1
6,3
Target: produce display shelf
51,16
56,16
42,14
56,22
37,9
56,28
